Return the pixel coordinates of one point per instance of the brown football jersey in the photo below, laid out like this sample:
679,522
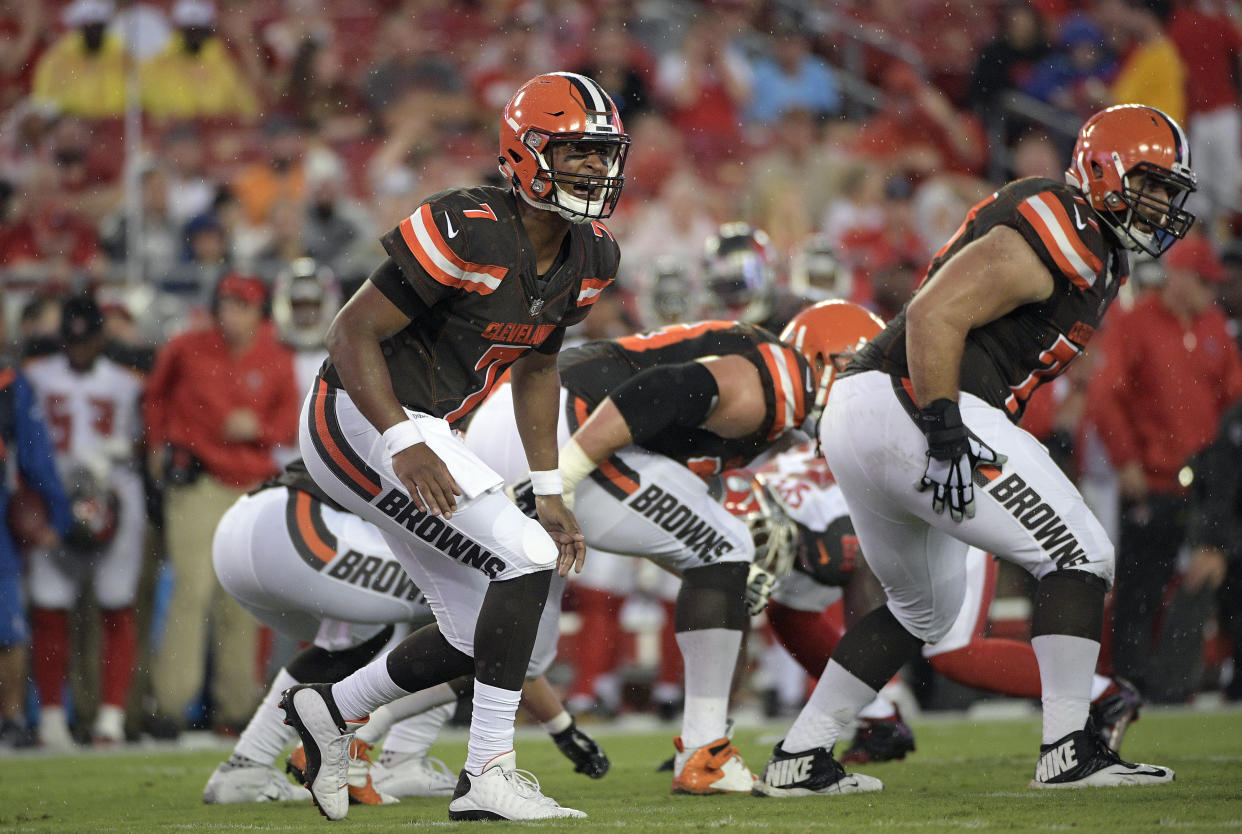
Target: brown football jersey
590,372
1006,360
468,280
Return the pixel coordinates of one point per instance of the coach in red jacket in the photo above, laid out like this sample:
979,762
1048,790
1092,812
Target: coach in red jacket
1168,370
216,403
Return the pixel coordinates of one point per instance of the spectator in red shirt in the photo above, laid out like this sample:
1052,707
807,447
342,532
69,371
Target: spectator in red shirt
1210,45
1168,369
217,402
45,244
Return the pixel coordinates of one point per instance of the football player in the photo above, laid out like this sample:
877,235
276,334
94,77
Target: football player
478,280
928,408
91,403
742,273
825,564
655,417
318,574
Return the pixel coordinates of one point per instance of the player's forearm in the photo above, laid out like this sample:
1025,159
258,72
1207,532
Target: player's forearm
604,432
540,700
536,405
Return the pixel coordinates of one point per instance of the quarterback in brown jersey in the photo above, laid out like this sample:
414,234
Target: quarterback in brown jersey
478,281
924,419
656,418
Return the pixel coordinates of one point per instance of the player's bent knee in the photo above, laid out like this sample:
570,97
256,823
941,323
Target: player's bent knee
531,549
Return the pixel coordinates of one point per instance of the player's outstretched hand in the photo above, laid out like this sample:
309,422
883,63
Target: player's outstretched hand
561,525
427,479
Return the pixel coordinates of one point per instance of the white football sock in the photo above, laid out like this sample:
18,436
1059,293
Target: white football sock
366,690
1066,669
880,708
491,724
414,736
267,734
709,654
838,698
382,718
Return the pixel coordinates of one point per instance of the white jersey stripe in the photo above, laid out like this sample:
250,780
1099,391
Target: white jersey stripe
418,224
1057,232
789,381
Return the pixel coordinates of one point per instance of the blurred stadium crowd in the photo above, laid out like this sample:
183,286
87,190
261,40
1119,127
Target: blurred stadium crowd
784,151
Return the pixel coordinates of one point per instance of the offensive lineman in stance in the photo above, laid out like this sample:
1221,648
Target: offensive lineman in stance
655,418
478,280
931,403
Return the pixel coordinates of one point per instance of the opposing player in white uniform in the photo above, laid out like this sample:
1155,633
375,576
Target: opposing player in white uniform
91,403
318,574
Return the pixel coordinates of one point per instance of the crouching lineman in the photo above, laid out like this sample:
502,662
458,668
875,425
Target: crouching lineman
305,567
826,568
656,416
928,408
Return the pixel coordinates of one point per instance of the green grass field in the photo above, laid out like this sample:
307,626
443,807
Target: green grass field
966,775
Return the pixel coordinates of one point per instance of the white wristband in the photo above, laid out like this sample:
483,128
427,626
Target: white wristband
575,465
401,436
546,482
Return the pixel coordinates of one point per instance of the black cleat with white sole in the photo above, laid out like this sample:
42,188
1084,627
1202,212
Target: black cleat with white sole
1082,760
809,773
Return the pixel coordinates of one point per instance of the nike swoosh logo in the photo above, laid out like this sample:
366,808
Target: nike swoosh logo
1149,772
452,233
1078,220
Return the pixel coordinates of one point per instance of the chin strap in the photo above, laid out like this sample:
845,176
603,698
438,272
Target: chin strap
810,425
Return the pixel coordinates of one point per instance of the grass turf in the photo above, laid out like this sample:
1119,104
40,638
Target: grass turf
965,775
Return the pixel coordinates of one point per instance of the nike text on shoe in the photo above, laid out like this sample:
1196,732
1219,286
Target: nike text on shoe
1081,760
880,740
310,709
1114,711
502,792
809,773
241,780
412,775
582,750
712,768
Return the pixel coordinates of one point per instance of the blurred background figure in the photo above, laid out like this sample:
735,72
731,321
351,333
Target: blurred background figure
92,407
742,277
817,274
36,515
1167,370
83,72
217,402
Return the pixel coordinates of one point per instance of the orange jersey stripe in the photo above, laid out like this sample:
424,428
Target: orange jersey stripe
338,457
306,528
626,484
591,288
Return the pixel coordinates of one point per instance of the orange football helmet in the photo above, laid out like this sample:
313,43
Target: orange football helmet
1124,158
828,333
562,107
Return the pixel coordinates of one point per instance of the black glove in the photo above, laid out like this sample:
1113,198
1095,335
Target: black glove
582,750
953,452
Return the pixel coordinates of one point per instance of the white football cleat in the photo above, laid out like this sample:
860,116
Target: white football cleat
311,710
54,729
109,725
412,775
502,792
235,782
